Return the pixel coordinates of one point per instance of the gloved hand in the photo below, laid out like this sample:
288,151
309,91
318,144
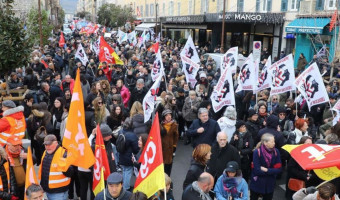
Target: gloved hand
14,197
310,190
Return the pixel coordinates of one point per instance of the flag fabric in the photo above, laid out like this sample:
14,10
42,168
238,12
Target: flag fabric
223,93
230,58
333,20
61,40
132,38
30,172
321,52
157,68
247,77
264,79
336,108
96,46
104,29
158,39
101,165
311,86
122,36
151,173
283,75
44,63
81,55
154,47
75,138
107,54
141,40
321,158
138,13
190,62
149,99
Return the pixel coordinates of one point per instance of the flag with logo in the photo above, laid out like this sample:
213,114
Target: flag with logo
81,55
247,77
30,171
150,98
107,54
151,177
61,40
336,108
321,158
157,68
102,163
223,93
122,36
96,45
311,86
75,137
190,62
154,47
132,38
321,52
141,40
264,79
283,75
230,59
158,38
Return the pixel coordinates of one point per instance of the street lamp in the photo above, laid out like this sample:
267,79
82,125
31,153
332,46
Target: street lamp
223,22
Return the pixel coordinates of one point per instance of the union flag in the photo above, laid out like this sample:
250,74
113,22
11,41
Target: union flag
107,54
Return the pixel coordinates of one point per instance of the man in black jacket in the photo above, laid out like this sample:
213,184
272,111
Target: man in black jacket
199,189
221,154
138,93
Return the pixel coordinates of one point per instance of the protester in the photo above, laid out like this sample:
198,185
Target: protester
199,189
325,191
35,192
114,189
228,121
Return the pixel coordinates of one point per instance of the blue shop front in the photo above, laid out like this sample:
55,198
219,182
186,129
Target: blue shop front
311,34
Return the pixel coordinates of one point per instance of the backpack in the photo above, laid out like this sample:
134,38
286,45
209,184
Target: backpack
291,138
120,143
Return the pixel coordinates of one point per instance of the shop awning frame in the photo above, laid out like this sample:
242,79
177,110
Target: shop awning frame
307,25
145,26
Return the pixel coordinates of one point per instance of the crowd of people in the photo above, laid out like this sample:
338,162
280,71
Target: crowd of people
236,153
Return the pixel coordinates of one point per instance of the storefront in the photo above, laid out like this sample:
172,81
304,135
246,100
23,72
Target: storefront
311,34
241,29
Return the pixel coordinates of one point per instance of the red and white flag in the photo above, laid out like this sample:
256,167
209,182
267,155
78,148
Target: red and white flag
264,80
247,76
150,98
283,75
157,68
311,86
107,54
81,55
230,59
190,62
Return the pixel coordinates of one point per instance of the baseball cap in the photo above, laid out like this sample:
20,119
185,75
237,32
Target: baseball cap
232,166
49,139
14,140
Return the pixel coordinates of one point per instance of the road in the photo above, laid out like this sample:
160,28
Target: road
182,163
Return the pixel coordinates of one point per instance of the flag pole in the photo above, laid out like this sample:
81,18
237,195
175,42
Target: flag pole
321,184
296,106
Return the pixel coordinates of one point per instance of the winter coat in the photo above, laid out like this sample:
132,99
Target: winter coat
264,182
220,157
190,194
272,123
222,194
300,195
85,89
31,81
302,62
12,181
63,124
194,172
137,95
211,128
228,126
125,93
55,91
15,113
65,85
130,82
13,84
131,147
253,127
244,145
138,124
190,114
169,141
43,97
124,195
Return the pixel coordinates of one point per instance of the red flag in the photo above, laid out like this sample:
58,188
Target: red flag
107,54
44,63
151,173
333,20
101,162
61,40
154,47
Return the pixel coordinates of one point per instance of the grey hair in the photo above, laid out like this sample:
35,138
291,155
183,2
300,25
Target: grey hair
33,188
331,138
192,92
202,110
205,178
140,81
43,85
266,137
220,133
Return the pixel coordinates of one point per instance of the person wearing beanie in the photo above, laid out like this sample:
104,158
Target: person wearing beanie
272,124
253,123
13,121
228,121
242,140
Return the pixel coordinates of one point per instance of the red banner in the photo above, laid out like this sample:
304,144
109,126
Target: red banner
61,40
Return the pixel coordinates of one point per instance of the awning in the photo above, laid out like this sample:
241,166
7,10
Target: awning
145,26
307,25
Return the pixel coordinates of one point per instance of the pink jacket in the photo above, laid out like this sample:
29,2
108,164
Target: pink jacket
125,93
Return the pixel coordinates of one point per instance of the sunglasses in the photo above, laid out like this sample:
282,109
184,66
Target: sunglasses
274,99
99,103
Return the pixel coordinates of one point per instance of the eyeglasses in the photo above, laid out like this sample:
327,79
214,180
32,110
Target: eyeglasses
274,99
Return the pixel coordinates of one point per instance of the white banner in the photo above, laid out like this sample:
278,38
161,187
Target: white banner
247,76
223,93
283,75
190,59
122,36
141,40
96,46
336,108
189,51
149,99
230,58
264,80
81,55
157,68
132,38
310,85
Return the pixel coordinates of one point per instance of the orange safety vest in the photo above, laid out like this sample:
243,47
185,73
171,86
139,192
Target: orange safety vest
6,165
17,127
56,177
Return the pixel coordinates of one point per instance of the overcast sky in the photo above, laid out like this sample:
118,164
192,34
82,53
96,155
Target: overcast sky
69,6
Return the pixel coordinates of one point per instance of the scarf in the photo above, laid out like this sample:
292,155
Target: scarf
263,114
12,155
230,185
203,195
267,154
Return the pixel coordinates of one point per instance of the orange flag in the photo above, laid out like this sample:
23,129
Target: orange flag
154,47
61,40
75,138
101,163
151,173
30,172
107,54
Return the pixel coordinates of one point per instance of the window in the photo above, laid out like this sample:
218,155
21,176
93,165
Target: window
284,5
151,10
258,4
163,10
204,6
319,5
293,5
331,4
146,10
191,7
171,8
179,8
265,5
240,5
219,7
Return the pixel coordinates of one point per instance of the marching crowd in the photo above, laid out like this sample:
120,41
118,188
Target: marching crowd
236,153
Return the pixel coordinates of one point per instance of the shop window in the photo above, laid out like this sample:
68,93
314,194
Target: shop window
284,5
319,5
151,10
146,10
331,4
240,5
179,8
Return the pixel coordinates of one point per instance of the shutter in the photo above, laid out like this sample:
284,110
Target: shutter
319,4
269,5
258,3
284,5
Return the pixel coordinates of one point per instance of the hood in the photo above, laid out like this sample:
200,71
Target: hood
138,118
272,121
16,113
229,122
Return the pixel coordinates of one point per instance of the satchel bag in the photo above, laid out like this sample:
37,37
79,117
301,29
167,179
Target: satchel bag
115,132
296,184
40,135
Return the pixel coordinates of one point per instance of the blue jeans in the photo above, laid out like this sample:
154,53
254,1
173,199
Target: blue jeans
127,173
57,196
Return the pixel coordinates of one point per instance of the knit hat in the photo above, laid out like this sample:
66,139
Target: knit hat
239,123
230,112
280,109
8,104
105,129
166,111
251,112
